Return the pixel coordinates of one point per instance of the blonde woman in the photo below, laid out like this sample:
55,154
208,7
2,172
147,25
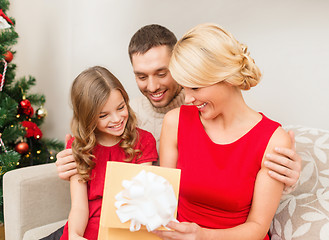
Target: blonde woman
104,129
219,142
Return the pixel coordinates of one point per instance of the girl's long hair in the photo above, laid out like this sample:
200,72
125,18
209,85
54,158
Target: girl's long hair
90,91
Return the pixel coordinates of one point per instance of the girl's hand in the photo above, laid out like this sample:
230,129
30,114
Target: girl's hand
182,231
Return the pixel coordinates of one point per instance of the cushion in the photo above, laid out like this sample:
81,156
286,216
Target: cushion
304,213
43,231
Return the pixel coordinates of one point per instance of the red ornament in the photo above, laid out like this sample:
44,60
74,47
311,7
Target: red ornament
26,108
32,130
22,147
25,104
28,111
8,56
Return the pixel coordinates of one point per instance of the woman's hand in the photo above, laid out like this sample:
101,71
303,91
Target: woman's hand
286,165
181,231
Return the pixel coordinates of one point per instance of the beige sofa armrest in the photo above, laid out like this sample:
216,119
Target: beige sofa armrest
33,196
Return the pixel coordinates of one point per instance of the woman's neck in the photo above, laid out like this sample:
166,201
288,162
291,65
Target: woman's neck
235,120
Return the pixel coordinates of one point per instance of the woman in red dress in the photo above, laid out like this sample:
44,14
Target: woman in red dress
219,142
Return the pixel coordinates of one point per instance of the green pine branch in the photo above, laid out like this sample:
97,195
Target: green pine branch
8,161
23,84
4,5
8,109
8,37
53,144
36,99
12,133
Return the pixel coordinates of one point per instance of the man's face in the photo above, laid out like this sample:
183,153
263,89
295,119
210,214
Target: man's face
153,76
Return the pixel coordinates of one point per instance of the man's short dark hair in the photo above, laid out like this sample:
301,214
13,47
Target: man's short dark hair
150,36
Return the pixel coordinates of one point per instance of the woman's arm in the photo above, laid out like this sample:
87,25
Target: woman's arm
168,139
266,199
79,213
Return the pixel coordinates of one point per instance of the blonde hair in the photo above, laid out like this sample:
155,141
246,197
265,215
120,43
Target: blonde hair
90,91
208,54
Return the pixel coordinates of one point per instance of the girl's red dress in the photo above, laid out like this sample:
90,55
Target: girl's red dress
95,186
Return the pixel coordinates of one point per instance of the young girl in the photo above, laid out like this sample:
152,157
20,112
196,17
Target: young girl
104,129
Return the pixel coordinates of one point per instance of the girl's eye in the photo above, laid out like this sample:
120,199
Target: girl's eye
122,107
195,88
102,116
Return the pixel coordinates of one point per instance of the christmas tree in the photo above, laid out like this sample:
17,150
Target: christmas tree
21,141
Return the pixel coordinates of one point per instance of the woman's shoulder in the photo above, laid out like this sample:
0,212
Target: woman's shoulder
280,138
171,118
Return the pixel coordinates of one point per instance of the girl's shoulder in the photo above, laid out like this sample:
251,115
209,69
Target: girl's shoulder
147,144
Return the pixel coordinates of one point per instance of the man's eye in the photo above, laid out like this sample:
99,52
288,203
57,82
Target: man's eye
162,75
141,77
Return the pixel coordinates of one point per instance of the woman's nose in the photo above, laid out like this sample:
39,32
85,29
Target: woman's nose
189,99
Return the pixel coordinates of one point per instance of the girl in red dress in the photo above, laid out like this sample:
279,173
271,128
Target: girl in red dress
104,129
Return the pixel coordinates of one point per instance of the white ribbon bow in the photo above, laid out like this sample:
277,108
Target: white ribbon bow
148,199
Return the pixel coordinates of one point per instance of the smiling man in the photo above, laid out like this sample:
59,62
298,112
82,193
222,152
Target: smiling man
150,50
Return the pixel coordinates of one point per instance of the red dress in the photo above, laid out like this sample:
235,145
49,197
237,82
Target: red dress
217,180
95,186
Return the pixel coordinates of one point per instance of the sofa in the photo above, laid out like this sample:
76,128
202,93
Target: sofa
37,202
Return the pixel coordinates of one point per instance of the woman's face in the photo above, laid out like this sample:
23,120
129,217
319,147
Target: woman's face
210,101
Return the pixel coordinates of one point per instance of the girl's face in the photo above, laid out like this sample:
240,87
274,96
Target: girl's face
112,119
210,101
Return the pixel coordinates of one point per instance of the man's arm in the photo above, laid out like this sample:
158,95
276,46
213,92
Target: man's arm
285,165
66,166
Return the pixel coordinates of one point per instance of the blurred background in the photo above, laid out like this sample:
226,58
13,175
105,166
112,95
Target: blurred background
289,40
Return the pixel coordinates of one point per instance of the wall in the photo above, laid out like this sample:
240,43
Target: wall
288,40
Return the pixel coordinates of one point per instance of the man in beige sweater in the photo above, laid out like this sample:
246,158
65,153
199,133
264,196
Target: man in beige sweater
150,51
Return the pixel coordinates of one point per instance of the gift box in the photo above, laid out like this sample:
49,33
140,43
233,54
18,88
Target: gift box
120,179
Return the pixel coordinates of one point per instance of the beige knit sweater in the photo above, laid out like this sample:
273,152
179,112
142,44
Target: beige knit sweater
150,118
